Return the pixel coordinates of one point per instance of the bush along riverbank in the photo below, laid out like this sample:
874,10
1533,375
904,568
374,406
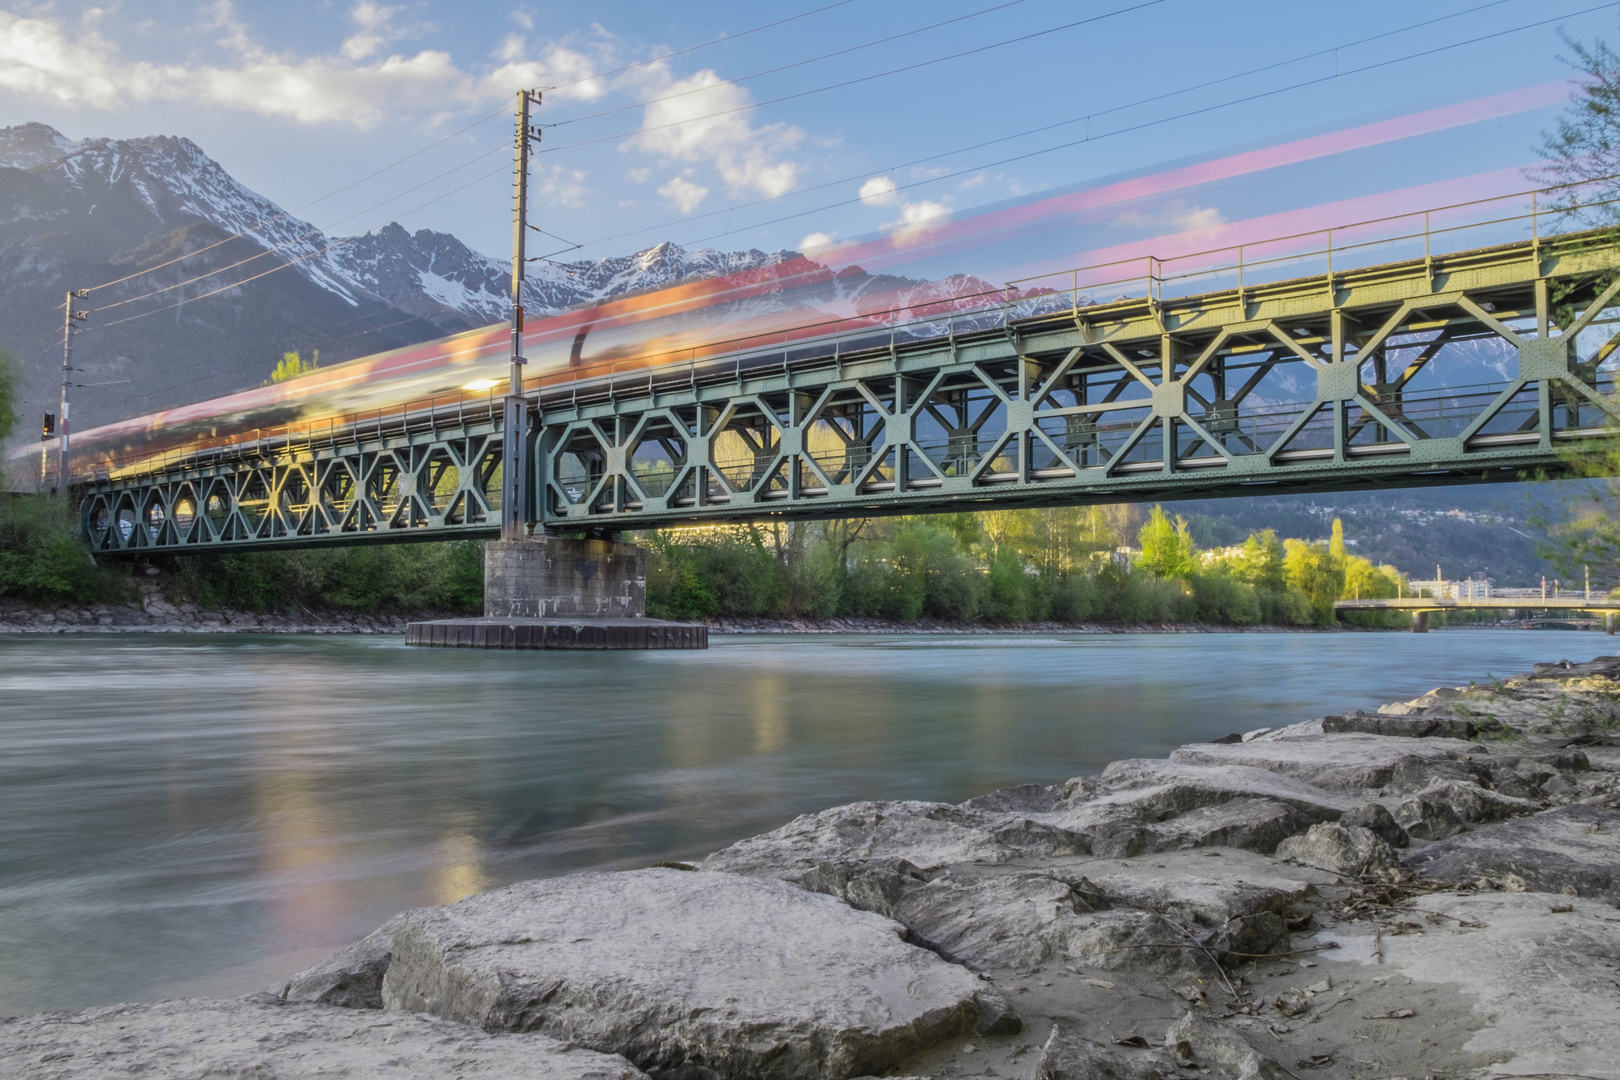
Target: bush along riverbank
1001,570
1426,890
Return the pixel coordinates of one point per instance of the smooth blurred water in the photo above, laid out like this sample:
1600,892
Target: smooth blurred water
193,814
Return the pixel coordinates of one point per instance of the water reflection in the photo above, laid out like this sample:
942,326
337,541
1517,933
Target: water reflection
208,841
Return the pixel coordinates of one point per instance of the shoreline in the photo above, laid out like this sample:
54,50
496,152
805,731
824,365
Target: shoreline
1430,889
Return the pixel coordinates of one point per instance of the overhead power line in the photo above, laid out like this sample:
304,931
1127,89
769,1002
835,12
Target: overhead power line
1261,95
794,64
723,39
732,208
440,142
857,80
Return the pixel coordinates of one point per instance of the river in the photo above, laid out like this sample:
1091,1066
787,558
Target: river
201,815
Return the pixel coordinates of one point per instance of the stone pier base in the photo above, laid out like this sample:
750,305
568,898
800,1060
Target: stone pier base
550,592
550,576
557,634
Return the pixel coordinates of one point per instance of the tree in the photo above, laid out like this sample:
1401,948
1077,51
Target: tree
1167,547
1260,562
10,376
292,366
1311,570
1583,151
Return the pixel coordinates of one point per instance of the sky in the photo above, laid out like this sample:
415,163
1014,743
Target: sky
702,124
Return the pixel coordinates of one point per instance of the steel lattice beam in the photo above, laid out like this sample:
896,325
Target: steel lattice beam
1144,398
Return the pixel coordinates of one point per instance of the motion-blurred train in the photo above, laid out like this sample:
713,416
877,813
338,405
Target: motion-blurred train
789,304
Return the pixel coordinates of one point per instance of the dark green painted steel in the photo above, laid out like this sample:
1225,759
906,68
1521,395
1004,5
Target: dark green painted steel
1043,399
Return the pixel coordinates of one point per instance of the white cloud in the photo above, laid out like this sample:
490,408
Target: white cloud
816,241
682,126
1176,214
374,24
916,219
637,176
684,194
921,213
40,58
879,191
563,187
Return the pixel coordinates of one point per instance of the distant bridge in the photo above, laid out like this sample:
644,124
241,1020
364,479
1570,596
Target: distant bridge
1031,396
1564,600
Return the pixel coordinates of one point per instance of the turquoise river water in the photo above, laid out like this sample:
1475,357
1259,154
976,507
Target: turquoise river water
203,815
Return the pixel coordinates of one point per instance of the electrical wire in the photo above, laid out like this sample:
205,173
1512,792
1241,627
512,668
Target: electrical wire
299,239
314,232
855,81
794,64
285,214
695,48
440,142
732,208
289,264
1170,119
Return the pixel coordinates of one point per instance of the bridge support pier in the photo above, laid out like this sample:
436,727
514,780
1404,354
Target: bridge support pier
1420,622
1608,622
554,592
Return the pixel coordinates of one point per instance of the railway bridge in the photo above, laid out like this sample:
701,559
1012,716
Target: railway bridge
1303,364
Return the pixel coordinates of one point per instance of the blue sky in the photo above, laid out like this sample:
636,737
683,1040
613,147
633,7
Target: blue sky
301,97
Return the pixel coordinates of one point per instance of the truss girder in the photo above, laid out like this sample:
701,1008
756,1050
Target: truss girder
1311,384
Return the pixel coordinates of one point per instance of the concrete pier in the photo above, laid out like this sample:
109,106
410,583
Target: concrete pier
553,592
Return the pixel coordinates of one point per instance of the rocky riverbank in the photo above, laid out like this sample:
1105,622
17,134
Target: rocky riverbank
1426,891
154,612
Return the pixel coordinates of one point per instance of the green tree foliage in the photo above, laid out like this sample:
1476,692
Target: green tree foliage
1168,550
42,559
1583,149
1311,569
1259,562
1007,566
10,377
1584,533
292,365
441,576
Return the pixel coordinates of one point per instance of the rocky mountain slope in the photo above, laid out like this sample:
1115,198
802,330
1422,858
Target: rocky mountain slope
90,212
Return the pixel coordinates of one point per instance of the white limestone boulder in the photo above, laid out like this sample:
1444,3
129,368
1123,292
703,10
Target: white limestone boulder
263,1037
1346,763
728,975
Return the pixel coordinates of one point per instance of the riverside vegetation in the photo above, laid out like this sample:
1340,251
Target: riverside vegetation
1004,567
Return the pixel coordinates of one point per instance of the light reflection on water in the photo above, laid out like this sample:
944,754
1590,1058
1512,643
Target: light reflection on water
203,815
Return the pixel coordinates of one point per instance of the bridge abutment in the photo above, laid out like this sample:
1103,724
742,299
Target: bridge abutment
555,592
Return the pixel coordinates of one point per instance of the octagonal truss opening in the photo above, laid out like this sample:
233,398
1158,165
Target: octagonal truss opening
579,466
745,448
844,436
659,455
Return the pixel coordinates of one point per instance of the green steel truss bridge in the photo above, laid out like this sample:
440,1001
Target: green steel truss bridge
1234,372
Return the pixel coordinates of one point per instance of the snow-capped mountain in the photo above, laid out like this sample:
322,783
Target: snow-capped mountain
77,213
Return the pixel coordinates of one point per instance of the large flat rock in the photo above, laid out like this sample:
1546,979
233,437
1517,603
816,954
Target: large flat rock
1141,806
926,834
732,976
1345,763
1110,914
264,1039
1573,848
